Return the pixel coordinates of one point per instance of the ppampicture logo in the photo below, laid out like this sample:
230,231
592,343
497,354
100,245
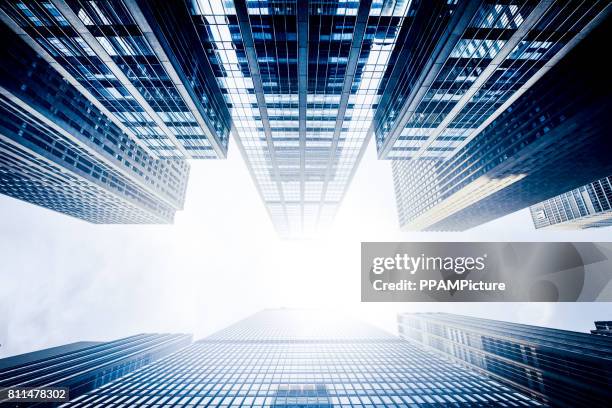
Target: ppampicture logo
413,264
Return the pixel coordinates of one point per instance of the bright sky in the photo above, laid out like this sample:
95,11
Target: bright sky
64,280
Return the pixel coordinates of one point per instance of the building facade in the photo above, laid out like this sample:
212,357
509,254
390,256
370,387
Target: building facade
110,53
59,151
561,368
83,367
588,206
291,358
301,81
550,139
464,63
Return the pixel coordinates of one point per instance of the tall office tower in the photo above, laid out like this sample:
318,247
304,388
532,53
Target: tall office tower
603,328
59,151
289,358
465,62
552,139
301,81
82,367
588,206
560,367
110,53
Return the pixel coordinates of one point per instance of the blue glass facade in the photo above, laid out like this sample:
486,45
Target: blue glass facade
291,358
110,52
464,62
20,359
551,139
82,369
588,206
561,368
300,79
59,151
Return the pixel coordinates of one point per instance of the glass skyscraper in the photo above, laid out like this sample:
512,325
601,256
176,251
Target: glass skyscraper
551,139
60,151
301,80
84,366
109,51
292,358
464,62
562,368
589,206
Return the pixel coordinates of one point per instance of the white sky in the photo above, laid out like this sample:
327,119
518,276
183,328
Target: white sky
64,280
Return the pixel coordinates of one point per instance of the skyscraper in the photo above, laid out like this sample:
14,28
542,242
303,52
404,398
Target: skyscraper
463,63
562,368
588,206
82,367
551,139
301,81
110,53
59,151
289,358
